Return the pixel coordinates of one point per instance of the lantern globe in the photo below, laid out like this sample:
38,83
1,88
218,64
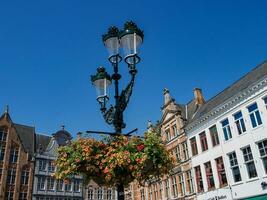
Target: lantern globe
130,39
101,81
112,43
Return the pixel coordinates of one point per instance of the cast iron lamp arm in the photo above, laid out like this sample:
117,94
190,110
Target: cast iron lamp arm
123,99
126,93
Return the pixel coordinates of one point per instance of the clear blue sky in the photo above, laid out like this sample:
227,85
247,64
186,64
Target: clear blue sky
49,48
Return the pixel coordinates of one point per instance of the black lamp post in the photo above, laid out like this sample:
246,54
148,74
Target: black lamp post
129,39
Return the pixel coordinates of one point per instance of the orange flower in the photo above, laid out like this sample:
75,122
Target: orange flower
106,170
140,147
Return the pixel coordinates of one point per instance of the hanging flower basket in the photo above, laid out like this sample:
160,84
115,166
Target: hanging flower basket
115,160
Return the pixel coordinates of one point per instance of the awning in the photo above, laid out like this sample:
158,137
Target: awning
262,197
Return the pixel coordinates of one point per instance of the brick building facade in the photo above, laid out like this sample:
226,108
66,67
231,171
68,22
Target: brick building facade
16,159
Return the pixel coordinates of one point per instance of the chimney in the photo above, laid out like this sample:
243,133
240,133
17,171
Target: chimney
167,96
198,96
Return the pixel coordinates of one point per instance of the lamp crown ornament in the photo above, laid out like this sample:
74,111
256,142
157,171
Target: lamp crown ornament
130,28
101,74
113,31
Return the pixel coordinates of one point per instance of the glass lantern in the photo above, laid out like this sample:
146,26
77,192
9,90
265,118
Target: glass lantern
111,42
101,81
131,38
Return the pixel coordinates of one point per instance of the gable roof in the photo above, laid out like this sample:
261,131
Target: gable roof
256,75
26,135
42,141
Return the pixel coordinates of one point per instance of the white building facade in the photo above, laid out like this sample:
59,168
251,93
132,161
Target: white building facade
227,141
45,186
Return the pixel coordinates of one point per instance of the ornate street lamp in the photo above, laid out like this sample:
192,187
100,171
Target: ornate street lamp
129,39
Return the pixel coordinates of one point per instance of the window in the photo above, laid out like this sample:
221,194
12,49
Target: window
249,162
100,194
203,141
155,191
14,151
3,135
23,195
2,151
90,194
51,167
193,143
41,183
59,185
209,176
168,135
167,188
239,122
109,194
76,186
11,176
221,171
175,131
254,115
189,180
214,135
68,186
199,180
263,153
181,184
42,165
226,130
265,101
10,193
174,187
160,190
150,193
234,167
177,153
142,191
50,183
25,176
185,150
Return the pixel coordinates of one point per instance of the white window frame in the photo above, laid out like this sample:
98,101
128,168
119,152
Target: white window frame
263,155
42,165
100,193
240,123
253,113
174,186
234,164
181,182
226,130
41,183
90,193
249,155
50,184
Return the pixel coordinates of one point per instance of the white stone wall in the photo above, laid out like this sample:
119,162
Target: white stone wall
247,187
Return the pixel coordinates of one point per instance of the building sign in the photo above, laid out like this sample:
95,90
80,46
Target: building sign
218,197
